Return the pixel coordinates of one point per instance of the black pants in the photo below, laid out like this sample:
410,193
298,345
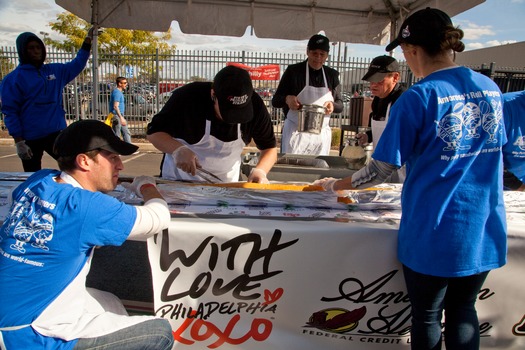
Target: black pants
38,146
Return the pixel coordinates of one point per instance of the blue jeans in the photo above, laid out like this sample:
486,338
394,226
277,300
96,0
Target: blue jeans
121,131
148,335
429,295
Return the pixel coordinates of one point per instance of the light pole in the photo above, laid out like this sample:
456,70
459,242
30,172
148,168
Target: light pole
45,34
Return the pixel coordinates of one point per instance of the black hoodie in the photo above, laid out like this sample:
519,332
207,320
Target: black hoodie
21,45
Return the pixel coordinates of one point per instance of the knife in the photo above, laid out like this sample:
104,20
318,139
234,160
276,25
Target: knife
208,175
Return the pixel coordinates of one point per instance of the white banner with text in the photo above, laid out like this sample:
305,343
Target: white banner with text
246,283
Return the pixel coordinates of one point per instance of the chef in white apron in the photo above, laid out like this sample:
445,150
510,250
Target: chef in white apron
297,142
308,83
217,141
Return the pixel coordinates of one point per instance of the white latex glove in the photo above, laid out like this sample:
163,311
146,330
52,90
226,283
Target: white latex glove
185,159
328,184
258,176
137,183
23,150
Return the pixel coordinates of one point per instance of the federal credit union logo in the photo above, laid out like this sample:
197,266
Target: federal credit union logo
336,320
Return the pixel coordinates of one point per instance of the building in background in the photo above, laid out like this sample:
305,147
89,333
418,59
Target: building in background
504,56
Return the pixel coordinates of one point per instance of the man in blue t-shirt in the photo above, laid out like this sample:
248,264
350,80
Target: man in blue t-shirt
117,106
56,220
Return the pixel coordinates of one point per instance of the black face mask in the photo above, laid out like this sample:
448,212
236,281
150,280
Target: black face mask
36,61
22,42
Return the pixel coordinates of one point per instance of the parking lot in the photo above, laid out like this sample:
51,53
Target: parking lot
147,162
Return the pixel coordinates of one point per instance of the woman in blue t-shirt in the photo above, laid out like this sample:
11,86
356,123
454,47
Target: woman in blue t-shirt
448,130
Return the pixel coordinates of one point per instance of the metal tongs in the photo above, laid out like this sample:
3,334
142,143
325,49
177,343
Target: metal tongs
208,176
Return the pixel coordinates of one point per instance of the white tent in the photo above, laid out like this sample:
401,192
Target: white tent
353,21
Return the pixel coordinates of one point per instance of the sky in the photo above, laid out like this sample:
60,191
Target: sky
492,23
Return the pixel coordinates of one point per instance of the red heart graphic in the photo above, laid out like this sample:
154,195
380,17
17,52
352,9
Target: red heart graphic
272,297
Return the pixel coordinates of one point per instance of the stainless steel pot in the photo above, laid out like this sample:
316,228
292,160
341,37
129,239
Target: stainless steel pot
311,119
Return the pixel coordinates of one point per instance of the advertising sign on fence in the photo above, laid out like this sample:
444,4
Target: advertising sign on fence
267,72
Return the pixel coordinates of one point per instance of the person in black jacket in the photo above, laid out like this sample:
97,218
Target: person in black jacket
207,125
308,83
383,75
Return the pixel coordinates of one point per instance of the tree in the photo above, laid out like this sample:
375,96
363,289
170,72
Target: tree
127,44
72,27
115,46
6,65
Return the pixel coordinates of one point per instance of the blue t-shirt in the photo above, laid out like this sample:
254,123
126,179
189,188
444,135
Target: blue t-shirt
117,96
514,116
449,131
45,242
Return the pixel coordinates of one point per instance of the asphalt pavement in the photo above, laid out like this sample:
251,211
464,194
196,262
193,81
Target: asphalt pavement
146,162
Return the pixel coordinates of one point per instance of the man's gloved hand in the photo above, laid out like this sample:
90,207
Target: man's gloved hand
88,40
137,183
23,150
329,107
89,34
328,184
293,103
258,176
362,138
186,160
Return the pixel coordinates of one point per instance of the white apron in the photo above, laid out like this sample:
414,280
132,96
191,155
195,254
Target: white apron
295,142
80,312
378,126
221,158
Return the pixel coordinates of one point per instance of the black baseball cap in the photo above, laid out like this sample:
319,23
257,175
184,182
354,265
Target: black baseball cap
87,135
423,28
233,89
320,42
380,67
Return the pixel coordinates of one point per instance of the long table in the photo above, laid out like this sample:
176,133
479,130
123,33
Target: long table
256,271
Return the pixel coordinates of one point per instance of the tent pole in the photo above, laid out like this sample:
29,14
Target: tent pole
94,50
